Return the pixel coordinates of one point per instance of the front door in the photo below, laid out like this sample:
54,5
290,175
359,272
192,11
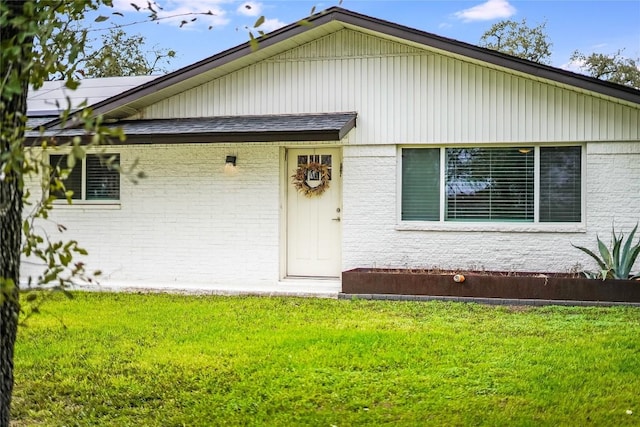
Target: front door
314,212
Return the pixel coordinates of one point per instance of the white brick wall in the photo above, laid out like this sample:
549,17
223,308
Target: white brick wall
371,237
187,222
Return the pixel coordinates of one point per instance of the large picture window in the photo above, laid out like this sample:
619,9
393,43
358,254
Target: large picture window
492,184
92,179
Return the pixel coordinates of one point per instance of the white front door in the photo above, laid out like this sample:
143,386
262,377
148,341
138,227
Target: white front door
313,229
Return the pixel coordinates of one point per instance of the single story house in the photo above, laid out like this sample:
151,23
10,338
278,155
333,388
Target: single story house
356,142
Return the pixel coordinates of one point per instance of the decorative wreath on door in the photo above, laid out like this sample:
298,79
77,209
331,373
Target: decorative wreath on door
300,178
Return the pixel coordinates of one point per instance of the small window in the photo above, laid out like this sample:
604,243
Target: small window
492,184
73,181
560,184
95,178
322,159
421,184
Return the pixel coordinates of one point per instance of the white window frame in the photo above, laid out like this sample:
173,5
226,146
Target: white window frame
525,227
82,201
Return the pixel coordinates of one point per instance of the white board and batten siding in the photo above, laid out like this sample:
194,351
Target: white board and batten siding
407,95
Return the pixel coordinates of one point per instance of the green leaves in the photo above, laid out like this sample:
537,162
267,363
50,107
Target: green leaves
616,67
58,257
126,55
615,262
253,42
518,39
259,22
71,84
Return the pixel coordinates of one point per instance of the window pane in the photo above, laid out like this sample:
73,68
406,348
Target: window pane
490,184
103,183
421,184
325,159
560,184
74,181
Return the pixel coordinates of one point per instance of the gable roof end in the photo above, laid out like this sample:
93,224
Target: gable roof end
118,106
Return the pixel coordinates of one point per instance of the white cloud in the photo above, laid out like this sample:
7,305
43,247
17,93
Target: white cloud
126,5
271,24
250,8
255,9
491,9
177,15
574,66
175,11
267,26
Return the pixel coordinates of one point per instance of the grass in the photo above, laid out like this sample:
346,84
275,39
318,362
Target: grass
170,360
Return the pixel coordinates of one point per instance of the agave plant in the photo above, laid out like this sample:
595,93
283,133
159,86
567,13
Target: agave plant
617,262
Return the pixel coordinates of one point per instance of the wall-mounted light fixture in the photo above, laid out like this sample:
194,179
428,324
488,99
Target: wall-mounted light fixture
230,165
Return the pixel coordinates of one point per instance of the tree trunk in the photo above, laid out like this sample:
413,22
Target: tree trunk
13,110
10,240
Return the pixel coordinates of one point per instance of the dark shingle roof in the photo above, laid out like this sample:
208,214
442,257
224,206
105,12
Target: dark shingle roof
34,122
282,127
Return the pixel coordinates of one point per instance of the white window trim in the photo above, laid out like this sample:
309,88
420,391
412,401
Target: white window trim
83,203
480,226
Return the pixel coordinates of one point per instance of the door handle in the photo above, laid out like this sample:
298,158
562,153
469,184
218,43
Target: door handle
338,217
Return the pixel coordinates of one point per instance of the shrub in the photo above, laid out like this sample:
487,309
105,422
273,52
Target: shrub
617,262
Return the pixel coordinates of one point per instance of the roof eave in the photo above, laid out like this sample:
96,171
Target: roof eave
344,130
235,137
491,56
222,137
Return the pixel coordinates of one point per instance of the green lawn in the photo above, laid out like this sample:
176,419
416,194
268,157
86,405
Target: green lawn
169,360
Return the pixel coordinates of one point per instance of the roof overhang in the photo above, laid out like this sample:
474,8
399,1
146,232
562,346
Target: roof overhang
488,57
266,128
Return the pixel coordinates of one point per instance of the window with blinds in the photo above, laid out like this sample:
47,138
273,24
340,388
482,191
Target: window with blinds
489,184
102,180
73,181
493,184
421,184
95,178
560,184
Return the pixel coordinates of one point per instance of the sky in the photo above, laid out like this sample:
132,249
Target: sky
602,26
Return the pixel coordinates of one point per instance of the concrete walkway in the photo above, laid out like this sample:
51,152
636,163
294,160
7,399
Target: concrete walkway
316,288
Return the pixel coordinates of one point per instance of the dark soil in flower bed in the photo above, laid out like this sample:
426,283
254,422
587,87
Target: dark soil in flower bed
489,284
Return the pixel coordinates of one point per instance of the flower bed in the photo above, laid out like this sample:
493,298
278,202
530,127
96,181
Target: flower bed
489,284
